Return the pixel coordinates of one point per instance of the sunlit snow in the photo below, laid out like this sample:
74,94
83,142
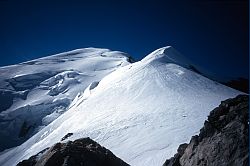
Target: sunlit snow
37,92
141,112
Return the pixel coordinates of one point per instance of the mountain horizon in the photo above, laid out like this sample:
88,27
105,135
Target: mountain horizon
99,93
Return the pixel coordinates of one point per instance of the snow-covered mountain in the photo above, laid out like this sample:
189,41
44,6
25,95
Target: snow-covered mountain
36,92
141,111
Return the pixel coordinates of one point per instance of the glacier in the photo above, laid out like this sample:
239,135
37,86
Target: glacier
35,93
140,111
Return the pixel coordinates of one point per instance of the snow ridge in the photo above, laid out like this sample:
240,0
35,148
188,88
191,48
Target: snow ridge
167,54
140,111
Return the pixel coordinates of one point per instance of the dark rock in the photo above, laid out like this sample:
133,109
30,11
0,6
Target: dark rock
24,129
33,159
175,160
130,59
222,141
81,152
66,136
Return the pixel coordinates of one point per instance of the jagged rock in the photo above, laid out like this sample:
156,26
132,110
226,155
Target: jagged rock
66,136
24,129
223,141
81,152
175,160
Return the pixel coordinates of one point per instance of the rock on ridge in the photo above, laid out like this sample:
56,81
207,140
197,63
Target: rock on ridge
222,141
81,152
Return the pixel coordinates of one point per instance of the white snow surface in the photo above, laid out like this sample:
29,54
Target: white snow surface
141,112
38,91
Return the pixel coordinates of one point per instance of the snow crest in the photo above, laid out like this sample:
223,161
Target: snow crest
141,111
167,54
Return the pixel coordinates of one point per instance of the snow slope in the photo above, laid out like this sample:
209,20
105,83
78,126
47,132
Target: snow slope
141,112
36,92
168,54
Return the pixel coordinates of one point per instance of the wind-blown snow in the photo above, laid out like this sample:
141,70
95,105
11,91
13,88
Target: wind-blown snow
141,112
36,92
168,55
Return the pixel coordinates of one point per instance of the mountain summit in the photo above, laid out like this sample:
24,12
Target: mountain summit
140,111
168,54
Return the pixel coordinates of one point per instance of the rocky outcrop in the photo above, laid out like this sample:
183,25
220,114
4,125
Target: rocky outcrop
24,129
81,152
223,141
66,136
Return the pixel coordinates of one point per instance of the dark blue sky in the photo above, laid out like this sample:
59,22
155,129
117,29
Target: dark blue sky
211,33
